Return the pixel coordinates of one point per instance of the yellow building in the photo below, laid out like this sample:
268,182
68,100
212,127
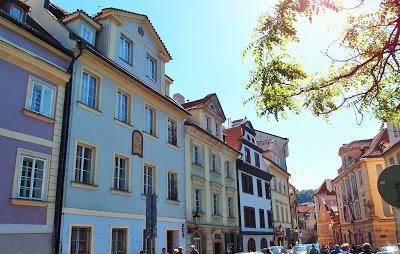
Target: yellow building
364,216
211,189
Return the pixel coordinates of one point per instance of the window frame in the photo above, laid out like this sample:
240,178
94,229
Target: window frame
154,180
199,157
89,226
127,237
228,170
22,12
208,124
123,92
250,186
174,121
198,199
214,162
257,161
127,172
124,39
29,94
215,204
247,155
98,79
250,219
151,61
153,132
259,188
92,33
172,172
230,206
261,215
93,164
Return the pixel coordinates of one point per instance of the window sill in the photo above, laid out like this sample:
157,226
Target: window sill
120,192
84,185
38,116
173,202
173,146
197,165
215,172
28,202
123,124
127,62
231,218
155,81
230,179
150,135
216,216
144,196
90,109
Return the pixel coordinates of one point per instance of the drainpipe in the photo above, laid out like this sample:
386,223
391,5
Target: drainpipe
63,155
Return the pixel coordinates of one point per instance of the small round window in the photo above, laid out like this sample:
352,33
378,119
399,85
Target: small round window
140,31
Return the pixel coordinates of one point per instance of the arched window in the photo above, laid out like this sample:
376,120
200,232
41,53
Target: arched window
197,241
263,243
251,245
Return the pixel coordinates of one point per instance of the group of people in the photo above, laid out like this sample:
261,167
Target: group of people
178,250
345,248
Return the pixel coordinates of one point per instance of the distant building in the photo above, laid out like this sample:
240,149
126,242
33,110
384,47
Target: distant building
307,223
256,228
293,213
328,222
364,216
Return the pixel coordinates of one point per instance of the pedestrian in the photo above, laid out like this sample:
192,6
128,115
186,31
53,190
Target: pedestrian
345,248
175,251
366,248
336,250
180,250
313,250
193,250
164,251
142,252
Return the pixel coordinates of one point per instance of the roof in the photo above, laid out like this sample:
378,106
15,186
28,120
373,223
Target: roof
272,134
306,208
35,29
355,144
201,102
326,187
233,137
276,165
57,11
97,16
81,13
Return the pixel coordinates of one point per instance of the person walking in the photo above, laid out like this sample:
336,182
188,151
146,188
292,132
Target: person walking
336,250
193,250
164,251
366,248
313,250
180,250
345,248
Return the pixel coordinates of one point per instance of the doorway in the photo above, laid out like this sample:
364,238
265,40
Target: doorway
172,240
217,248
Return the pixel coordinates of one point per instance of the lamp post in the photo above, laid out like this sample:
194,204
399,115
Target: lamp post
196,218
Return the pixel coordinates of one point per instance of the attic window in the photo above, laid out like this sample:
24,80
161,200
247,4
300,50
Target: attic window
16,12
140,31
86,33
212,107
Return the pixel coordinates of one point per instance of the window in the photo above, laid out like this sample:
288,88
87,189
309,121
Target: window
123,107
151,68
251,245
267,191
149,124
282,218
120,173
286,215
31,178
16,12
196,155
247,183
148,180
217,130
197,241
215,204
172,133
279,186
125,49
284,188
259,188
81,240
208,124
172,186
263,243
257,159
84,164
278,217
247,155
89,95
86,33
262,218
269,217
119,241
214,162
41,99
230,207
228,169
249,217
197,200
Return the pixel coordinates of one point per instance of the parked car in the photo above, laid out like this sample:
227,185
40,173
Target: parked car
300,249
387,250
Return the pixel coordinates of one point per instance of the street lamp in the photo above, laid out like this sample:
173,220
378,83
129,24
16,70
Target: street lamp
196,218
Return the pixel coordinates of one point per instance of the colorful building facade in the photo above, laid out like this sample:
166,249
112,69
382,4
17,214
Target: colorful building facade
364,216
34,76
255,211
211,189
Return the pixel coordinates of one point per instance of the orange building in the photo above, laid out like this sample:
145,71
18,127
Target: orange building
364,216
328,222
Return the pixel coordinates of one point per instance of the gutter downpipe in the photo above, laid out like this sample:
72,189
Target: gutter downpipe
63,155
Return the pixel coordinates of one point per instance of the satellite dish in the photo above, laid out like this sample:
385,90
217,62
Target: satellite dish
389,185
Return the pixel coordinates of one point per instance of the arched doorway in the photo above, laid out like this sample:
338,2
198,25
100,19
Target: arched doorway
263,243
251,245
197,241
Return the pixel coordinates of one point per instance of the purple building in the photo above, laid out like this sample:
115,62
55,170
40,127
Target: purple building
33,81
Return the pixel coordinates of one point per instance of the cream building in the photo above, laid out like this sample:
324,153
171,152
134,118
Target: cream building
211,190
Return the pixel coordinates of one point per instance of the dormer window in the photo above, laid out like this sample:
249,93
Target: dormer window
16,12
151,68
125,49
86,33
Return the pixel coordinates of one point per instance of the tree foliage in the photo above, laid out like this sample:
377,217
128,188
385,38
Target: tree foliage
367,80
304,196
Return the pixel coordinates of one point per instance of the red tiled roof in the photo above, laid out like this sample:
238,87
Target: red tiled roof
326,187
232,137
356,144
193,104
375,148
306,208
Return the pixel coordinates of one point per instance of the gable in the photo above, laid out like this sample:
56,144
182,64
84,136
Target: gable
214,105
123,17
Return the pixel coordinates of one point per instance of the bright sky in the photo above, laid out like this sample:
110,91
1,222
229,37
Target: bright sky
207,38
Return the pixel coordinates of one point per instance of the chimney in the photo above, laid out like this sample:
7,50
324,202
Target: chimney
179,98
